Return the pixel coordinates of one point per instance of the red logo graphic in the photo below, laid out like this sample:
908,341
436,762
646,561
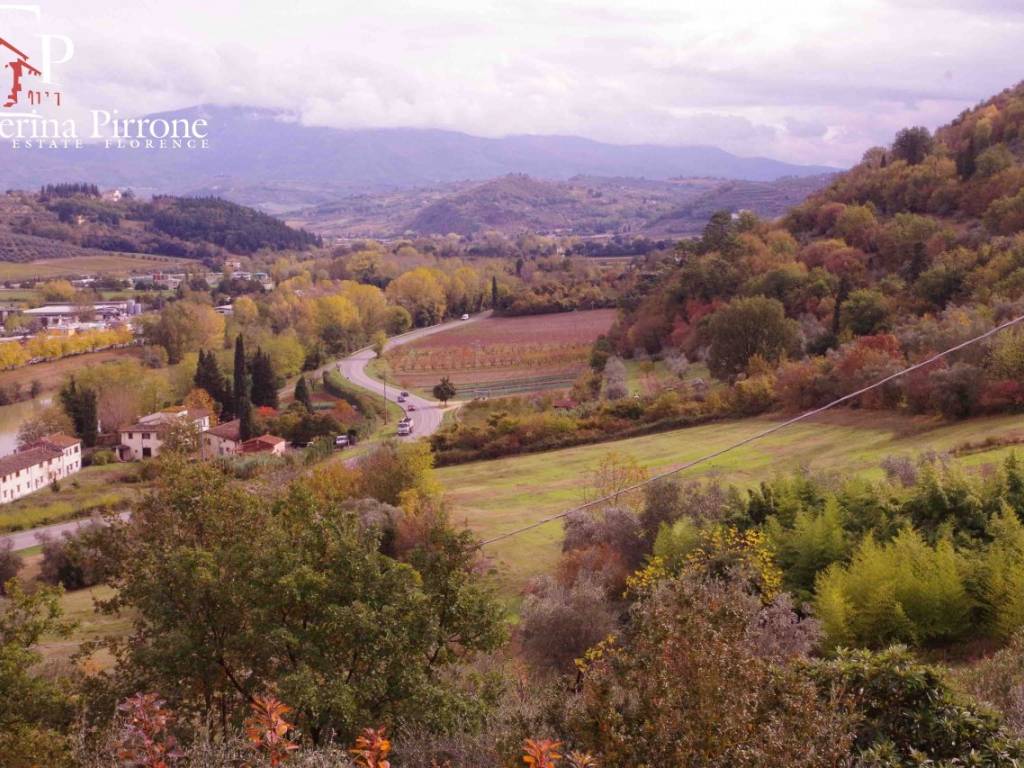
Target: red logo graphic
20,68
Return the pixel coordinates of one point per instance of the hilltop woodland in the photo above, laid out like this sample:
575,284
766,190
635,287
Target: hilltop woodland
916,249
338,617
76,216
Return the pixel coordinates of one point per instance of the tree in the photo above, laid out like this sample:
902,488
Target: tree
445,390
302,394
913,145
47,421
908,715
58,290
380,339
695,681
747,327
242,391
232,593
209,378
34,711
80,406
494,292
264,381
187,326
200,400
865,312
421,292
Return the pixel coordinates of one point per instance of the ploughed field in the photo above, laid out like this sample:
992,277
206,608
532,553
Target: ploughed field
503,355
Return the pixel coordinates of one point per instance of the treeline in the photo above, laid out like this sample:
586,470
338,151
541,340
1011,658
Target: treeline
68,189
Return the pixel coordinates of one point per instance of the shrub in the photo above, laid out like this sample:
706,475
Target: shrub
560,623
10,563
77,558
903,591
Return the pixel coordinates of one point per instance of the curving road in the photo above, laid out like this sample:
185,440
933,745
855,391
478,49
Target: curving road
426,417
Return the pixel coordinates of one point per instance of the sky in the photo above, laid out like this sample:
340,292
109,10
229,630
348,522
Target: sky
808,82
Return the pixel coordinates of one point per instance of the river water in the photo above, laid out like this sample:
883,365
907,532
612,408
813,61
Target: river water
12,417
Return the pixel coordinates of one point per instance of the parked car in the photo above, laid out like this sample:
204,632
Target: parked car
465,317
404,393
412,407
404,429
341,441
401,398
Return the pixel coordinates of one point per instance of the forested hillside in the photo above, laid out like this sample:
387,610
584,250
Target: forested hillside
916,248
63,219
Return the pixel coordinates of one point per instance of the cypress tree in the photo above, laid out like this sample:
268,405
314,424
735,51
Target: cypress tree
242,391
264,384
90,417
302,394
494,292
209,377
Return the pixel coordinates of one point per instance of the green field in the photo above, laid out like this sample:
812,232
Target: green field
107,264
78,496
494,497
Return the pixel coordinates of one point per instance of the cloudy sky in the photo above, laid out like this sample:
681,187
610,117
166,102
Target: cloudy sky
813,82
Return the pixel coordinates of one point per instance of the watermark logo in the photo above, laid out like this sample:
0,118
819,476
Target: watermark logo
19,67
30,81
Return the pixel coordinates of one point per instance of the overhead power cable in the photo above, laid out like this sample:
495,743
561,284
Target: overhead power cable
759,436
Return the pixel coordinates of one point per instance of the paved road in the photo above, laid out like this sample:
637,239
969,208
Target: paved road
426,417
26,539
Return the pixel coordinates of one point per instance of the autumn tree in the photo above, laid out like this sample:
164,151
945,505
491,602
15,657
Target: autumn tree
747,327
693,681
231,593
187,326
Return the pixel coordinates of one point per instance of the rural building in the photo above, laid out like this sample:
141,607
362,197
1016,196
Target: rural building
222,440
271,444
225,440
38,465
63,315
145,438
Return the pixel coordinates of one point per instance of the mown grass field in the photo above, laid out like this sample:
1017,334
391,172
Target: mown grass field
78,496
493,497
100,264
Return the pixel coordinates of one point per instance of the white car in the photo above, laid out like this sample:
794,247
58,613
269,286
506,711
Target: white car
465,317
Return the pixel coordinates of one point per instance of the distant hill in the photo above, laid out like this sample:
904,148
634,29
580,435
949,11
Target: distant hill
580,206
72,220
267,159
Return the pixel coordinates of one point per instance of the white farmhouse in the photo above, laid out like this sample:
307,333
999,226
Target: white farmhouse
144,439
38,465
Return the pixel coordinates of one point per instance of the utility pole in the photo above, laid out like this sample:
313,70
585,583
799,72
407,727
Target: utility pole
384,379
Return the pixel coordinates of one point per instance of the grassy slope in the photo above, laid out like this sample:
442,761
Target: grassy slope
493,497
80,492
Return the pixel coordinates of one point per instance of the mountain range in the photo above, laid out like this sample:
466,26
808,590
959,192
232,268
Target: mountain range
270,160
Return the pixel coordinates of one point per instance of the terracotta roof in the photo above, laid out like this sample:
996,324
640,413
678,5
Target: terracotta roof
229,430
27,458
262,443
60,440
